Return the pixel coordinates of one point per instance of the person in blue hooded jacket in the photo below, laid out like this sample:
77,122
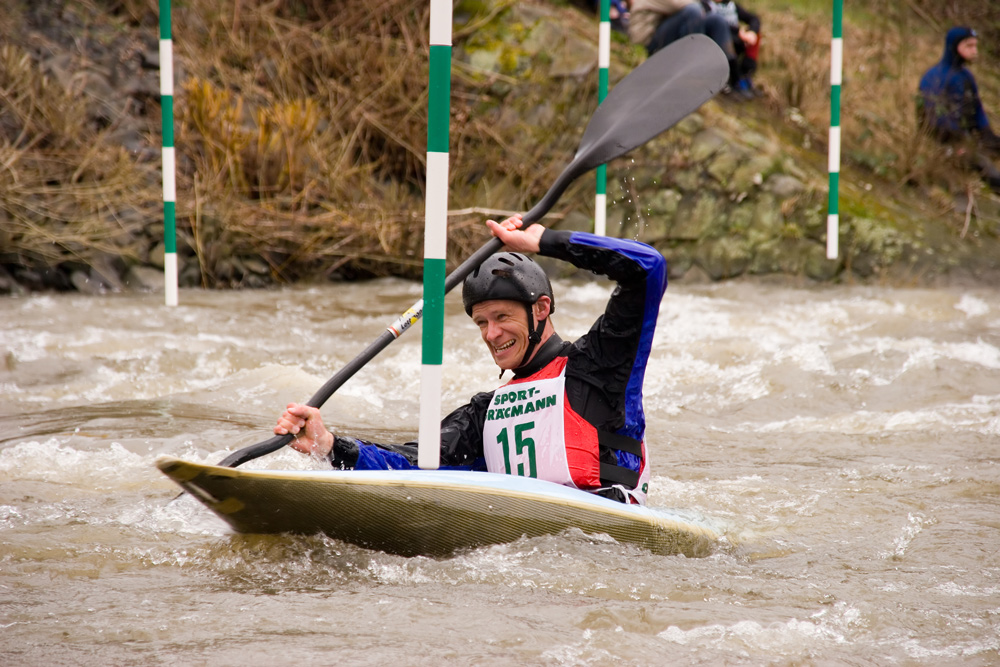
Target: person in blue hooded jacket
949,107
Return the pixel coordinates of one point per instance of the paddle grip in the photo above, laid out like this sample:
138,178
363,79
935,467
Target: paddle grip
318,399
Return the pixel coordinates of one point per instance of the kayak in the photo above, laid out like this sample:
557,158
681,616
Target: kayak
428,512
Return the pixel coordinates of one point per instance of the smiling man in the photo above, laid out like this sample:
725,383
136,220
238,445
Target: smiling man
572,414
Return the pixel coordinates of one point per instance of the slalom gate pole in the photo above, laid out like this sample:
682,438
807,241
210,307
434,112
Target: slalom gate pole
836,78
169,158
603,63
435,234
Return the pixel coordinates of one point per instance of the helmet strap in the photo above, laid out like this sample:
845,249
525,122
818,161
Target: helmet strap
534,334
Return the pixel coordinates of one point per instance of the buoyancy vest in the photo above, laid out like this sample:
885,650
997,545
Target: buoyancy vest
530,430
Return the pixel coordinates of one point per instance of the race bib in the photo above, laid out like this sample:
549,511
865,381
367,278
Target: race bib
524,432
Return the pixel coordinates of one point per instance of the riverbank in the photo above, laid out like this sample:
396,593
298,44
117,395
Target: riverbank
300,141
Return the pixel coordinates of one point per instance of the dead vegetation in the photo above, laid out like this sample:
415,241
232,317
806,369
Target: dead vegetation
301,128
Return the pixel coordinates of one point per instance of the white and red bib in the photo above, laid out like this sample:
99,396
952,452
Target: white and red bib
531,431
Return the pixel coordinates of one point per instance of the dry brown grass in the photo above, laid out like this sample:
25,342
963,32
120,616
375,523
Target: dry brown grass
305,131
301,128
61,188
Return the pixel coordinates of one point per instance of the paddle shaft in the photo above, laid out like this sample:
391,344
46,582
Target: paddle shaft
655,96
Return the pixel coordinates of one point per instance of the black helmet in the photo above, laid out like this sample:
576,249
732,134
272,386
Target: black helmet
509,276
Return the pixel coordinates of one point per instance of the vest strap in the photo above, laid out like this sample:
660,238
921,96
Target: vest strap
612,474
615,474
619,442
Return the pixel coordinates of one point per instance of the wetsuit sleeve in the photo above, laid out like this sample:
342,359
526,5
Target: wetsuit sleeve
608,363
461,444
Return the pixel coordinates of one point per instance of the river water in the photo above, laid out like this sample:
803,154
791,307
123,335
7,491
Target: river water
846,438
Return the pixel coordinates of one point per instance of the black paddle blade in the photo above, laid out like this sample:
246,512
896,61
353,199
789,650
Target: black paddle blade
654,97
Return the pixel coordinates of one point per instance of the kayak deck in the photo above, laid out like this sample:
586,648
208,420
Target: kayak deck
431,513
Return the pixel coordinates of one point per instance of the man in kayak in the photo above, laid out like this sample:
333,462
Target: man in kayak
572,414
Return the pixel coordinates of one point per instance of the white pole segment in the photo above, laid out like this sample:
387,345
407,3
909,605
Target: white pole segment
604,45
601,215
837,61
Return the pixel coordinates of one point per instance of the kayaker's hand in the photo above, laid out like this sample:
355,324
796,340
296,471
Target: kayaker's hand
509,231
306,424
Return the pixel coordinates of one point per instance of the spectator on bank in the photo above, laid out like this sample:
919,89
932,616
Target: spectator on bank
744,28
949,108
618,14
657,23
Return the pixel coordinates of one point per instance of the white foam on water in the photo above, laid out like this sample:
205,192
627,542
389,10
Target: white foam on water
108,468
810,357
972,306
687,319
955,589
929,649
588,292
907,533
684,378
10,516
27,345
977,416
783,638
183,515
924,352
582,654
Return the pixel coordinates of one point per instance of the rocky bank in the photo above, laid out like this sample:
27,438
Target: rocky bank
737,189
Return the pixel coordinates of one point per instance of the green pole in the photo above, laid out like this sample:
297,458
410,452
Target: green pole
603,63
435,234
169,159
836,78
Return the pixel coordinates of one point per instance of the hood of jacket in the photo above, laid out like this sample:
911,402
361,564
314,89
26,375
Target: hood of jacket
951,40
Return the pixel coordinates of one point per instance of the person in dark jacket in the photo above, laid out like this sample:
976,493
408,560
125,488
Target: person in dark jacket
572,414
657,23
744,26
949,108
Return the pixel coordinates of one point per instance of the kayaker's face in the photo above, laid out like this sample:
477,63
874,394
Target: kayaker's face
504,328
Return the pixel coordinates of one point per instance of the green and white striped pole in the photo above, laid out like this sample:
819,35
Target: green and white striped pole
836,78
603,63
435,234
169,159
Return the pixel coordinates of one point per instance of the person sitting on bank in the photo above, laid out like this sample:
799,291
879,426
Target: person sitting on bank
949,108
744,27
657,23
573,413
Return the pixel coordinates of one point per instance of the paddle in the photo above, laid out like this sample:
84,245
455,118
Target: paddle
653,98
